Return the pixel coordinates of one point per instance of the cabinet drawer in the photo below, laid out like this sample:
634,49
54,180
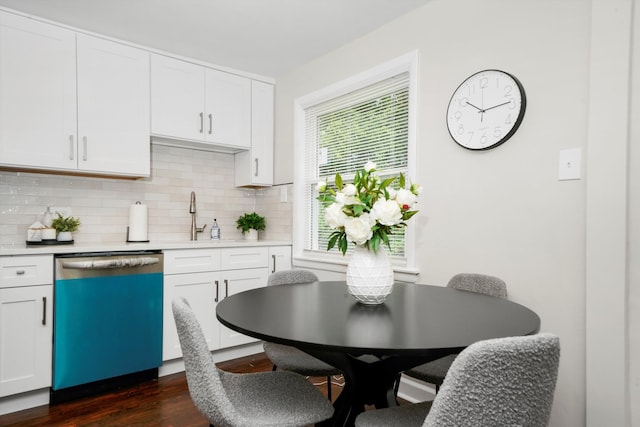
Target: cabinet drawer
26,270
191,261
239,258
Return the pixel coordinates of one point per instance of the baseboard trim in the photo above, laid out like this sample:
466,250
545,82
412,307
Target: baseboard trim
415,391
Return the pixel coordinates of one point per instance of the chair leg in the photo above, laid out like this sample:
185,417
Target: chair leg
329,387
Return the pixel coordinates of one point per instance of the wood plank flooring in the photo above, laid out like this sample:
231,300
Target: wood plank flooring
165,402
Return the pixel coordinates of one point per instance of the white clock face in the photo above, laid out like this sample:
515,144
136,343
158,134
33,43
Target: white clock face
485,110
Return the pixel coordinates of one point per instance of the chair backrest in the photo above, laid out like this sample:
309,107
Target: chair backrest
287,277
480,283
499,382
203,379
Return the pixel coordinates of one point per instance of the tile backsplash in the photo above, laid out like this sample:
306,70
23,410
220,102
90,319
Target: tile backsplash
102,204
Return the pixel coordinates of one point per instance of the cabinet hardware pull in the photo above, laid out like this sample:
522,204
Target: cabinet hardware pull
210,124
226,288
84,148
201,122
20,272
257,164
71,150
44,310
274,263
216,300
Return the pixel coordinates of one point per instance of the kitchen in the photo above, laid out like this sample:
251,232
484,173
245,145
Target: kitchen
548,226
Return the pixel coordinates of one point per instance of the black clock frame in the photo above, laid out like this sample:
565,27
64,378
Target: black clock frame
523,107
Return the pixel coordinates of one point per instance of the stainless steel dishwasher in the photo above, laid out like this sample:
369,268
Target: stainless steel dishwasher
107,321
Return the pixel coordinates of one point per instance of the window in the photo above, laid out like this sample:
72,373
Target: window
340,129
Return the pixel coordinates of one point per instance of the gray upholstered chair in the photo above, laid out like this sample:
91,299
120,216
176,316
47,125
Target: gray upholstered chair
229,399
434,372
498,382
290,358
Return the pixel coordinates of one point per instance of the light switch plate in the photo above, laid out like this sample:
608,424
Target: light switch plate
569,164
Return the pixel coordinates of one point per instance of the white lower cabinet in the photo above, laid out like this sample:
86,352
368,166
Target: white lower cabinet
279,258
200,290
26,306
205,277
236,281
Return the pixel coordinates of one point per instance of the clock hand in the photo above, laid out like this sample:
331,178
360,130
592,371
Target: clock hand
479,109
496,106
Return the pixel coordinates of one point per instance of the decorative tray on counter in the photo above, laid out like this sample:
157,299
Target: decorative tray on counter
50,242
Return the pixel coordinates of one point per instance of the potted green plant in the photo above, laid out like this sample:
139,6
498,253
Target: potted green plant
65,226
249,224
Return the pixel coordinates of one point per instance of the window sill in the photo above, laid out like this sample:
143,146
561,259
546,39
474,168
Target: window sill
338,264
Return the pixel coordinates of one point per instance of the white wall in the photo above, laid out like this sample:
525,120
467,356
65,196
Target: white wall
500,212
634,229
607,214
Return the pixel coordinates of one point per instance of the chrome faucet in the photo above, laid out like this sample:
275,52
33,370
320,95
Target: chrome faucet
192,210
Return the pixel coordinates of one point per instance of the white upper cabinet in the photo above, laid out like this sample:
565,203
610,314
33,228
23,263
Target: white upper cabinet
255,167
81,109
37,94
177,98
194,103
228,109
113,108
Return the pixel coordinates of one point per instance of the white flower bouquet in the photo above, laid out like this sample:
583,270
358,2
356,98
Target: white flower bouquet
367,211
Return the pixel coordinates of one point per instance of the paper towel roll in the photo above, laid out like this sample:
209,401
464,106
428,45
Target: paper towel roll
138,223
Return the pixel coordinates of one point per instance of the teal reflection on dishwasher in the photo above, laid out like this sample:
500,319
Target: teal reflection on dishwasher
106,327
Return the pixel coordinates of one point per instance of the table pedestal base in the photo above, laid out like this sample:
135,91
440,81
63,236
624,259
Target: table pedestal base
369,380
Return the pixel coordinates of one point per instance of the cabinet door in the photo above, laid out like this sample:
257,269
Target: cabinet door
37,94
177,99
279,258
228,106
190,260
255,166
235,281
25,338
243,258
113,108
201,290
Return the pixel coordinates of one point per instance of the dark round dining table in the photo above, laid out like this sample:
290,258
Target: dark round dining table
373,344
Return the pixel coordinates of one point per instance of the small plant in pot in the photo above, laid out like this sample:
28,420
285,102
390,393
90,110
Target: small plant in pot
249,224
65,226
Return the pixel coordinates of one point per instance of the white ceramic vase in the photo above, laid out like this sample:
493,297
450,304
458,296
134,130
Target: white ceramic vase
251,234
369,275
65,236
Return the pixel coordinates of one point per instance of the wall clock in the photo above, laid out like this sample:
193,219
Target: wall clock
486,110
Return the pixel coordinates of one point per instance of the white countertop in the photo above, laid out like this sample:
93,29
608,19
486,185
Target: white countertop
23,249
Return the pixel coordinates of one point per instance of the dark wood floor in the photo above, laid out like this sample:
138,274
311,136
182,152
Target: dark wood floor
164,402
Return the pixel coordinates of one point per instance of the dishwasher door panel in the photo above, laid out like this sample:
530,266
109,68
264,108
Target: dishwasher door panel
106,327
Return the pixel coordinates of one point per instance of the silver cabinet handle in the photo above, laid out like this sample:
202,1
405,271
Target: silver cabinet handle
84,148
71,148
257,165
201,122
210,124
217,290
44,310
274,263
226,288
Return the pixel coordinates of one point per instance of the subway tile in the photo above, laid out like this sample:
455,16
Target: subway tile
102,204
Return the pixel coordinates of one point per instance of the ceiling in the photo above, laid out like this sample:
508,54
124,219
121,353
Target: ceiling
266,37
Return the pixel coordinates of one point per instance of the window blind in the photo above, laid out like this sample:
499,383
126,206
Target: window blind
343,133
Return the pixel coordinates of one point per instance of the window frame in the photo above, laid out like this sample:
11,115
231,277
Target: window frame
332,261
